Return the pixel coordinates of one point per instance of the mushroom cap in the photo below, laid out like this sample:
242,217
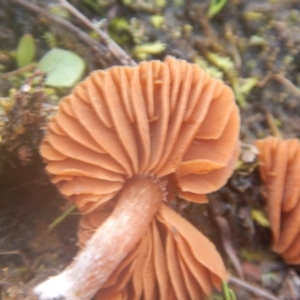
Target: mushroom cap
280,172
167,119
173,261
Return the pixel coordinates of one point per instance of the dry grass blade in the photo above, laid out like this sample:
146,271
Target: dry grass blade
252,289
115,49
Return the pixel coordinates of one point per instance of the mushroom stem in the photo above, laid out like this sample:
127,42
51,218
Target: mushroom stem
136,206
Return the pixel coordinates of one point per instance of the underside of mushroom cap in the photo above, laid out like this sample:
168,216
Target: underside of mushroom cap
158,118
173,261
280,172
170,123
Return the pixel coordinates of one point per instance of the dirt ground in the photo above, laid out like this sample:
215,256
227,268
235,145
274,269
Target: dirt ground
259,38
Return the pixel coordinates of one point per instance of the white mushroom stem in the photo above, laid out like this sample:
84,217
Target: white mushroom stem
137,204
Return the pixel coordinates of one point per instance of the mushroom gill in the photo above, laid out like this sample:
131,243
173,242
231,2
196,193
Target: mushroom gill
129,138
173,258
280,172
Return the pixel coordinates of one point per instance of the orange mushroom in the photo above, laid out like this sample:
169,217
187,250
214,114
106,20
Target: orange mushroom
119,147
280,172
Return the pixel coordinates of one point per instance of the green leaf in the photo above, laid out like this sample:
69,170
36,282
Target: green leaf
215,7
25,51
62,217
228,293
225,290
64,68
259,217
232,294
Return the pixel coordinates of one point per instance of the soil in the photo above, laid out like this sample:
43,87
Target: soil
259,37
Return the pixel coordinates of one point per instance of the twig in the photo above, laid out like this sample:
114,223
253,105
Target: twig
225,235
264,81
100,49
227,244
251,288
19,71
272,125
19,253
283,80
113,47
287,83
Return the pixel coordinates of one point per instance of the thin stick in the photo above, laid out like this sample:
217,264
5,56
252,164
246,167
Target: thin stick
113,47
272,125
280,78
283,80
17,252
265,80
100,49
227,244
19,71
251,288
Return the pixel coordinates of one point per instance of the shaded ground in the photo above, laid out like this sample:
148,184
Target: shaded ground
258,38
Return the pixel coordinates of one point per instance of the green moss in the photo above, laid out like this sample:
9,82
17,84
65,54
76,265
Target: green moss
60,12
211,70
253,16
242,88
143,51
157,21
50,39
251,256
119,30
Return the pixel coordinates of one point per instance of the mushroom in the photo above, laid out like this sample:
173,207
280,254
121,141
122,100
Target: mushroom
280,172
120,147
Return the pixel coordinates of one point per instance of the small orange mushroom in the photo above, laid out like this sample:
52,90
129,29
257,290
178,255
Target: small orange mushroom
280,172
119,147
